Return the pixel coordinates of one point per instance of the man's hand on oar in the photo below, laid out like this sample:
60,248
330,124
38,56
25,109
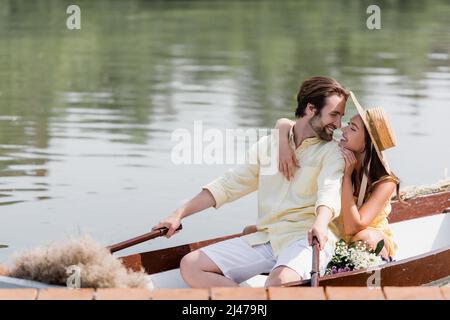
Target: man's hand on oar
319,228
171,222
320,234
158,232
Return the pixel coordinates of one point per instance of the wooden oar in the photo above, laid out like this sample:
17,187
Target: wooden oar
139,239
315,263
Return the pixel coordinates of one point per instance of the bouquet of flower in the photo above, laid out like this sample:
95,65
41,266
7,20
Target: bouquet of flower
353,256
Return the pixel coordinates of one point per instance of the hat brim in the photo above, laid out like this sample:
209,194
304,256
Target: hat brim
365,120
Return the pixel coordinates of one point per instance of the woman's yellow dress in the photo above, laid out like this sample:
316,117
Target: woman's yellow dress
380,223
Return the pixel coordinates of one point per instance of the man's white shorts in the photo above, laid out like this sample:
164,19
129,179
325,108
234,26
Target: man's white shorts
239,261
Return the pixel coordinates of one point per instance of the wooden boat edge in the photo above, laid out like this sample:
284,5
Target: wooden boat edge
420,206
169,258
405,272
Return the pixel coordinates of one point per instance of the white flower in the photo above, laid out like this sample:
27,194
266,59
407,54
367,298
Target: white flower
357,257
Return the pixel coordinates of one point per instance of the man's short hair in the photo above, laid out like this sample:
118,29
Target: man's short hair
315,90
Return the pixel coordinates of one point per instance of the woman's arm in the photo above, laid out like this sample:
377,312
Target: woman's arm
287,161
356,220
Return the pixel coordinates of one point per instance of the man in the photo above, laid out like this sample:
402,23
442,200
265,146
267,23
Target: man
290,213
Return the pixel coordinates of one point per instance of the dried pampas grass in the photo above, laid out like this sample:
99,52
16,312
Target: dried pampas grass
97,267
415,191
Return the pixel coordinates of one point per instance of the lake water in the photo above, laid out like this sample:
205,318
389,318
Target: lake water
86,116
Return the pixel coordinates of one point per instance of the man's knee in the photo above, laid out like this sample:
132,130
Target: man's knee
189,263
282,275
196,262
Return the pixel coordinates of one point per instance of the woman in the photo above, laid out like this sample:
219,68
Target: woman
368,184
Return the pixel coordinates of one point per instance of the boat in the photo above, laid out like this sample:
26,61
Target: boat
421,227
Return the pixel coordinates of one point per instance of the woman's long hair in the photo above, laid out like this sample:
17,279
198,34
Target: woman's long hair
376,170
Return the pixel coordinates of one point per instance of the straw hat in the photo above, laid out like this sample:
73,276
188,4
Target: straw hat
381,134
377,124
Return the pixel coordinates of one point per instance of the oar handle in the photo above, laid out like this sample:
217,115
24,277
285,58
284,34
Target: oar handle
315,263
139,239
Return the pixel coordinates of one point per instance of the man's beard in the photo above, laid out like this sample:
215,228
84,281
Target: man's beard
320,130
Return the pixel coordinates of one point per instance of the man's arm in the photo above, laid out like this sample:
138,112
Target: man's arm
329,182
234,184
328,204
200,202
320,226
